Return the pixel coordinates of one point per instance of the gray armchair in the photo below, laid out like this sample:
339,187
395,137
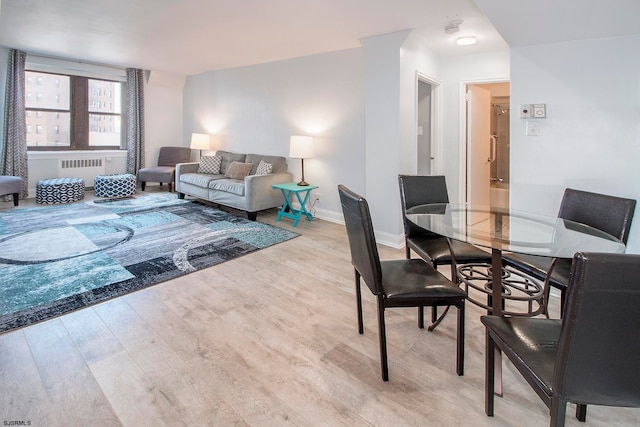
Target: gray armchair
166,169
11,185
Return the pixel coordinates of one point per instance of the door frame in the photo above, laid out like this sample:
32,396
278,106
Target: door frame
436,128
463,148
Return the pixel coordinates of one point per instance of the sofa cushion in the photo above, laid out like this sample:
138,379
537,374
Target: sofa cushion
210,164
199,179
264,168
228,185
238,170
228,158
279,163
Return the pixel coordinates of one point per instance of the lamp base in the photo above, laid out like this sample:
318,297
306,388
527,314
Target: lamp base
303,183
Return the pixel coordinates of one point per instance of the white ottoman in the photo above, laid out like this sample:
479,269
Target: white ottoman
117,185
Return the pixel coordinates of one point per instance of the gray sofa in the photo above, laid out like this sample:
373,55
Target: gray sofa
251,194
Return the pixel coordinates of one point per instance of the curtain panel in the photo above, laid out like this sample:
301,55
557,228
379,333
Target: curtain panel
135,120
14,147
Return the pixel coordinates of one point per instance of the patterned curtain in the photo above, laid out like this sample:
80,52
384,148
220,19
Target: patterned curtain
135,120
14,148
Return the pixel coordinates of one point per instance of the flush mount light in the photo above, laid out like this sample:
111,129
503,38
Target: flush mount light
466,41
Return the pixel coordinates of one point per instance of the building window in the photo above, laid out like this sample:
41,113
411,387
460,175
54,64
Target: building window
67,108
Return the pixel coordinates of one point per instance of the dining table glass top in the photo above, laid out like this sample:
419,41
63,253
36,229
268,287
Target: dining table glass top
512,230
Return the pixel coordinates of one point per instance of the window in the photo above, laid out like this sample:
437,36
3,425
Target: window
67,109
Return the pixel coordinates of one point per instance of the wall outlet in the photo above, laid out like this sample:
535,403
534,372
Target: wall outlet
317,198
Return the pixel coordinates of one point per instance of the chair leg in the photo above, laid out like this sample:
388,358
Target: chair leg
421,317
437,321
489,375
142,185
581,412
16,197
434,314
170,187
460,343
558,411
383,340
359,303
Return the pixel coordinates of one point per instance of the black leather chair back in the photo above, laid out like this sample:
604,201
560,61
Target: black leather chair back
598,357
610,214
420,190
362,243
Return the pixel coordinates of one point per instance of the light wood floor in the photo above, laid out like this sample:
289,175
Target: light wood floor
267,339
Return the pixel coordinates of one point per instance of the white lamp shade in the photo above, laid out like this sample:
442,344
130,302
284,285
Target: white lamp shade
200,141
301,147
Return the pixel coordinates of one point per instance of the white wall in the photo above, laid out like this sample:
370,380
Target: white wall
256,109
360,104
590,139
393,62
383,102
163,115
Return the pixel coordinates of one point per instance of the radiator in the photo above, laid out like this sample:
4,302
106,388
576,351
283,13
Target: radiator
86,168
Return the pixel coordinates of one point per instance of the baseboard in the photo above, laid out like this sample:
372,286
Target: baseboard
383,238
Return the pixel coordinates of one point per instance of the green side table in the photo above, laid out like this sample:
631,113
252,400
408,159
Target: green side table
302,194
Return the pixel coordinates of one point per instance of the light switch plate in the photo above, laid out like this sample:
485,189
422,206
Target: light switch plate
525,111
532,129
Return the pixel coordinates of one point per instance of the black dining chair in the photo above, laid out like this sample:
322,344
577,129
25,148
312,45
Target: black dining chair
435,249
592,356
610,214
395,283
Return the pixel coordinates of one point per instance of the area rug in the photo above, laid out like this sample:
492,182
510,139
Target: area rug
57,259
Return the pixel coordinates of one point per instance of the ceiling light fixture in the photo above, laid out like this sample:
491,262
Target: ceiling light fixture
466,41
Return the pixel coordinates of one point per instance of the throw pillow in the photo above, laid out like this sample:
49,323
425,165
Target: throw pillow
264,168
238,170
210,164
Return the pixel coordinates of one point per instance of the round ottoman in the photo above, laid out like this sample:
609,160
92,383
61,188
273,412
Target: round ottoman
117,185
59,190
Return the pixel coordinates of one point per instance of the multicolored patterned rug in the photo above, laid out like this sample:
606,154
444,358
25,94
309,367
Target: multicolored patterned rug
57,259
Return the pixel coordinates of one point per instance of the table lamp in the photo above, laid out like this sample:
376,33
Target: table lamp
200,141
301,147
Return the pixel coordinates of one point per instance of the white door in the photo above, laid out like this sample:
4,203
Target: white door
478,147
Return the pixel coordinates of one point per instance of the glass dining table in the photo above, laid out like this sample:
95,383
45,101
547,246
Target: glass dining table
504,229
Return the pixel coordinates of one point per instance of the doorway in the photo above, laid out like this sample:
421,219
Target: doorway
487,144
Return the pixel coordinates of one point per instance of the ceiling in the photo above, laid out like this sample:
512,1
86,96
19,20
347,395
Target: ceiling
192,36
524,23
